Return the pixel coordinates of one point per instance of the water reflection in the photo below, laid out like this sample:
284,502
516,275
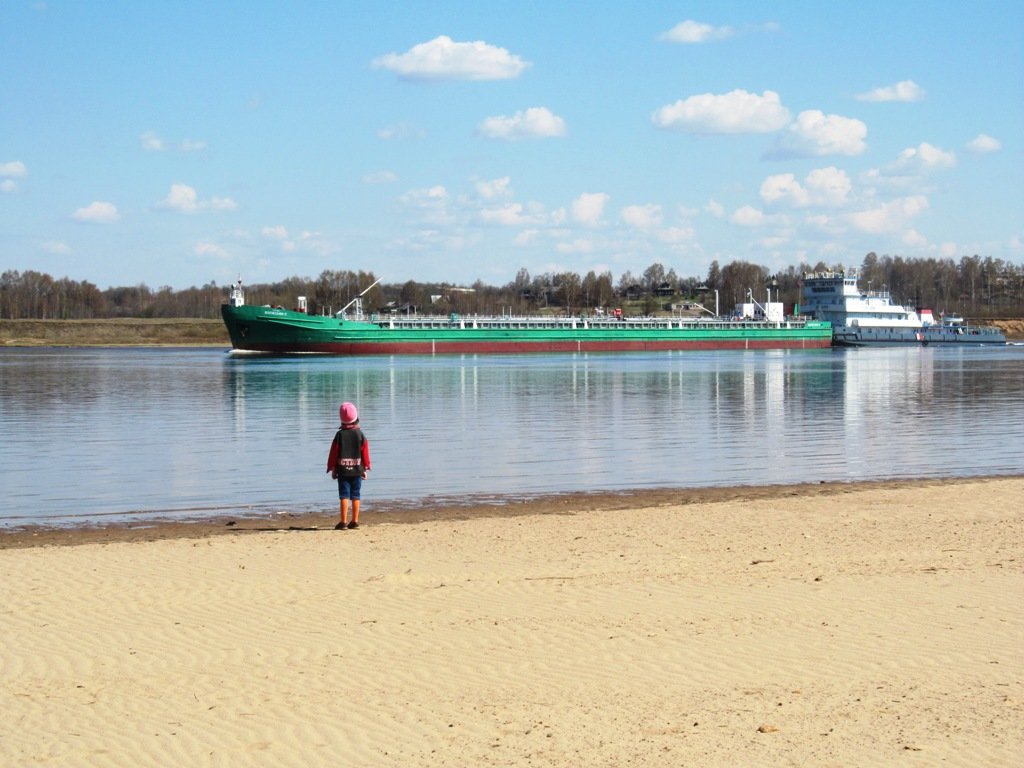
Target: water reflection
180,431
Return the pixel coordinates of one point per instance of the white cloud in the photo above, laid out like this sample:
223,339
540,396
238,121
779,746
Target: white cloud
380,177
183,199
533,123
829,186
222,204
915,161
642,216
9,172
97,213
510,215
579,245
892,216
822,187
825,223
532,214
276,232
929,156
151,142
431,204
773,243
690,31
784,186
815,134
400,131
734,112
873,178
278,235
589,207
13,170
57,247
914,239
748,216
423,240
983,143
715,208
211,250
1016,245
494,189
444,59
905,90
674,235
426,196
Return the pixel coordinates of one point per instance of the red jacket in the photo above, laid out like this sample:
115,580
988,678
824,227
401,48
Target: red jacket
332,457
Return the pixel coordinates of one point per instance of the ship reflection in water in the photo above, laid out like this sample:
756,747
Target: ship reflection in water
182,433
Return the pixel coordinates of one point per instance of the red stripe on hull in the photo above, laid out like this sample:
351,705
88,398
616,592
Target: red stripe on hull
512,347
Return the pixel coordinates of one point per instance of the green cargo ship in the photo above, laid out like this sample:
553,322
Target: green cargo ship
277,330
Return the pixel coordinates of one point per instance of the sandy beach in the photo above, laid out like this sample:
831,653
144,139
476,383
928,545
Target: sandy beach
847,625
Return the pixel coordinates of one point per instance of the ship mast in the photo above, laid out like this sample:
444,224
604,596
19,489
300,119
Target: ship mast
358,302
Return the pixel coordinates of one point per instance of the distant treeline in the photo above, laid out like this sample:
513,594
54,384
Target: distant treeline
976,287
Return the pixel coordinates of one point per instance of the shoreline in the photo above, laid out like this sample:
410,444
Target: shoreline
41,535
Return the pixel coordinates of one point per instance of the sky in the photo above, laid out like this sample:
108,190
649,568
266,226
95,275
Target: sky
178,143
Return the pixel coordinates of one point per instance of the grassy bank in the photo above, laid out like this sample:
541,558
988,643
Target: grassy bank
130,332
139,332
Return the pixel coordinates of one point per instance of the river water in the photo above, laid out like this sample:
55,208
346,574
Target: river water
100,435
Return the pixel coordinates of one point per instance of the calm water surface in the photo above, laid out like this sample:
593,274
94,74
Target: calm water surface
95,435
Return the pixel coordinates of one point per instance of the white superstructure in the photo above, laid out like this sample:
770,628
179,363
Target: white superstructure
834,296
237,295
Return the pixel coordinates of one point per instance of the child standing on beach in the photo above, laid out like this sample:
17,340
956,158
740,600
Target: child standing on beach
348,462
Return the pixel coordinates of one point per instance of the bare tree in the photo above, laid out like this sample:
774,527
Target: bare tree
654,276
740,276
974,286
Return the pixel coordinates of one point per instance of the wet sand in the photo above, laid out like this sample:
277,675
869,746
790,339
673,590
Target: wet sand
376,512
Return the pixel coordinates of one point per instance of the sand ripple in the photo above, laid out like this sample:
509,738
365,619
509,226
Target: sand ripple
884,629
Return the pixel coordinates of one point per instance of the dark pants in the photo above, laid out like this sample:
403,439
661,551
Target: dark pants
349,487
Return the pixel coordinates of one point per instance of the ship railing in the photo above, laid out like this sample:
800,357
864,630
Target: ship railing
829,274
876,294
474,322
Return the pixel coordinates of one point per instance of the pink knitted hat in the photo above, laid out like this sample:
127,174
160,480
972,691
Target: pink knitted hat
348,413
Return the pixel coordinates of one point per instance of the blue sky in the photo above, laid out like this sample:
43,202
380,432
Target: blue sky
175,143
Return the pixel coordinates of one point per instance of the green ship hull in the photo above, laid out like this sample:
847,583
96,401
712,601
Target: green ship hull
283,331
